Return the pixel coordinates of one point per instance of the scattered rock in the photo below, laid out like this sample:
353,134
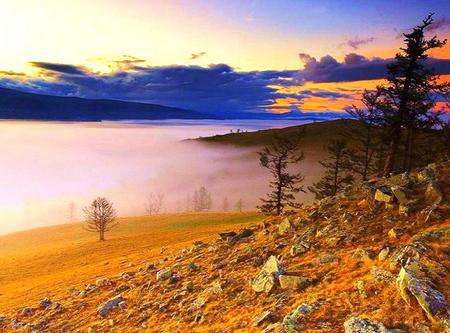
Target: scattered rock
299,246
267,317
285,226
384,194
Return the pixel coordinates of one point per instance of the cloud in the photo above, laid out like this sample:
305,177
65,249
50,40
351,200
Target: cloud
216,88
356,43
440,24
354,67
59,68
197,55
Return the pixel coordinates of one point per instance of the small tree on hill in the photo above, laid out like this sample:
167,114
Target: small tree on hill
336,171
277,157
100,216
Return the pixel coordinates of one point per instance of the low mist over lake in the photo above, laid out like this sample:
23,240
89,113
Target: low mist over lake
52,170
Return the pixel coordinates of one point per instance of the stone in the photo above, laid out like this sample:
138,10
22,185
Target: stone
360,325
381,275
384,194
363,254
400,194
267,317
299,246
45,303
395,233
293,282
107,307
268,276
101,282
432,301
225,235
383,254
27,312
163,274
91,330
290,322
285,226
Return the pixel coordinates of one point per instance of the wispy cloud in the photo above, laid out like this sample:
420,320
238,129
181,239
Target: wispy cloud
197,55
356,43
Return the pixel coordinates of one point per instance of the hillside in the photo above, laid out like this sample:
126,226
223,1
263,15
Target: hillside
317,135
16,104
46,262
373,259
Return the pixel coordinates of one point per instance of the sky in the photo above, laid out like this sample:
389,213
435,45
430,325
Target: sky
216,56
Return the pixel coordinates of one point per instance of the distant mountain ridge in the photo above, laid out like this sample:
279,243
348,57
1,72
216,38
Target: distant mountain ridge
15,104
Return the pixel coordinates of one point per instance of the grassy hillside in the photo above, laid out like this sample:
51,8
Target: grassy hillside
46,262
317,134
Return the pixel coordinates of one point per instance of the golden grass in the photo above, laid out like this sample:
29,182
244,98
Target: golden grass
46,262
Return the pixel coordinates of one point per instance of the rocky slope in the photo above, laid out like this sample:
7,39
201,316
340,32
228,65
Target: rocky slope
376,258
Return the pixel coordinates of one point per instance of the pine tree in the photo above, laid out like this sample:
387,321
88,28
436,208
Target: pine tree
336,171
277,157
405,104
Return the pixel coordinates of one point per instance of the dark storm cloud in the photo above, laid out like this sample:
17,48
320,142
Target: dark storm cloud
355,67
59,68
356,43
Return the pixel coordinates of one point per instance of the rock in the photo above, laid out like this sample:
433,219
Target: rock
267,317
395,233
293,282
400,194
106,308
359,325
245,233
101,282
290,322
363,254
225,235
268,276
384,194
384,253
91,330
432,301
299,246
27,312
359,285
381,275
285,226
163,274
45,303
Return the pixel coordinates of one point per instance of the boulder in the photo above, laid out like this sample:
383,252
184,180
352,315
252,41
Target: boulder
225,235
383,254
293,282
400,194
395,233
106,308
267,317
360,325
432,301
267,278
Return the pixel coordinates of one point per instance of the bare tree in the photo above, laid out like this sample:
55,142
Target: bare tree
154,203
202,200
100,216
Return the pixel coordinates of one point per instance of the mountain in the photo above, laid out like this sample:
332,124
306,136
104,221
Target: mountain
16,104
